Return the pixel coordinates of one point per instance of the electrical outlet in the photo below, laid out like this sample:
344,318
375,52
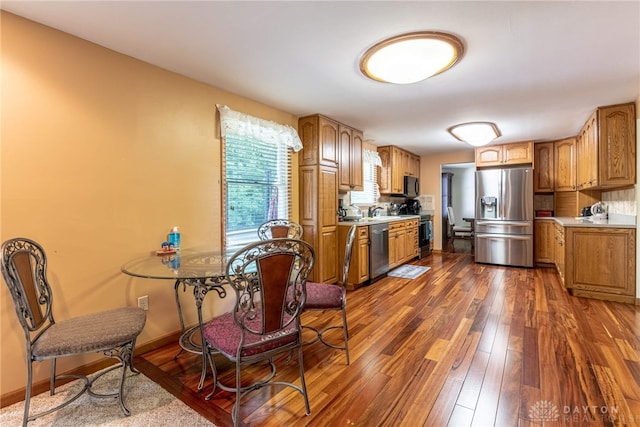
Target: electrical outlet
143,302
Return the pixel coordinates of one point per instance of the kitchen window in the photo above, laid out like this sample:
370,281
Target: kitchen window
371,192
256,161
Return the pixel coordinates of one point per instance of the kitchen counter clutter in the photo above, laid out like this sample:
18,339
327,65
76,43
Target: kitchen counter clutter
594,259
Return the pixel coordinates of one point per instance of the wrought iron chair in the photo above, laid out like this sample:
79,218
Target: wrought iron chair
457,231
269,279
279,228
113,332
324,296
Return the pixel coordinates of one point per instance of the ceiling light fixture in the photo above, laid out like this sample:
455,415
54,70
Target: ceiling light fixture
475,133
411,57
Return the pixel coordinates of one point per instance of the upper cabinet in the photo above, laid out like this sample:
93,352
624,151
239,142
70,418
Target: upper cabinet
543,181
565,164
606,148
320,137
396,164
507,154
350,160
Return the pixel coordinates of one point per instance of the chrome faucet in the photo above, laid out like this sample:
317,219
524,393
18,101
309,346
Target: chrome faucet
371,212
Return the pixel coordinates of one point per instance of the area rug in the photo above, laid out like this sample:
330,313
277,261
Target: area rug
408,271
149,403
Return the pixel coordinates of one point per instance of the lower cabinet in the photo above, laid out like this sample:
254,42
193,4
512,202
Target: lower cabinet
544,243
600,263
359,265
559,251
397,242
403,242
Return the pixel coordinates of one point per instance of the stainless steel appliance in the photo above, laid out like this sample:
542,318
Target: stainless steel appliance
425,235
378,250
411,186
504,217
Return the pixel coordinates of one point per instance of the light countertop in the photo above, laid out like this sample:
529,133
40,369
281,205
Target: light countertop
614,221
379,219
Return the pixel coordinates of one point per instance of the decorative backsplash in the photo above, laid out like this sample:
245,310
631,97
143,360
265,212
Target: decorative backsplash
621,201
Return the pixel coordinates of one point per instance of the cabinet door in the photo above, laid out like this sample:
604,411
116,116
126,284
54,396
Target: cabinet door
616,145
559,251
344,171
517,153
355,161
565,164
363,258
384,172
588,154
543,170
326,263
489,156
397,171
319,137
545,241
601,262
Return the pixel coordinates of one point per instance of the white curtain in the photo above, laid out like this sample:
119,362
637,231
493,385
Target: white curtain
240,124
372,157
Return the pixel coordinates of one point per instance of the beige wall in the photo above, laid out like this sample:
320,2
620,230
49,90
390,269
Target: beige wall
431,183
101,154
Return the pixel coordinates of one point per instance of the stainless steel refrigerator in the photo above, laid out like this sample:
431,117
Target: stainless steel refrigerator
504,217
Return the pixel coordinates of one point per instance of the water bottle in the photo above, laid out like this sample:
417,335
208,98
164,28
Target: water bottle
174,238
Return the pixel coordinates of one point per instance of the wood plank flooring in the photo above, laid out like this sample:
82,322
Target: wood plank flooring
465,344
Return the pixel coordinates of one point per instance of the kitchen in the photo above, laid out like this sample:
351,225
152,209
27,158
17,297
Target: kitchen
122,176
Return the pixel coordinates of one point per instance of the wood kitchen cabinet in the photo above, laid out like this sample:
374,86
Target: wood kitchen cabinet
396,164
323,140
600,263
570,203
318,217
411,239
559,250
319,135
350,159
403,242
565,164
359,266
516,153
606,148
543,176
397,242
544,241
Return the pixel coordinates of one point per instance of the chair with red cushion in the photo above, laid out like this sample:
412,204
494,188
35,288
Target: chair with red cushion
324,296
269,279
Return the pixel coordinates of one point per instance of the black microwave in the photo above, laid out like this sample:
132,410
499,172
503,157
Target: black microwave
411,186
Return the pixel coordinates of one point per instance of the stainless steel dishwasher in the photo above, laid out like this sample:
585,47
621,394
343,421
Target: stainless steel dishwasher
378,250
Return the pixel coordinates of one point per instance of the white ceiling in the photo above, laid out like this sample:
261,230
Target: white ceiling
536,68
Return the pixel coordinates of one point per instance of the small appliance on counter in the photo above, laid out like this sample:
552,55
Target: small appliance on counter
598,211
414,207
352,213
586,211
342,212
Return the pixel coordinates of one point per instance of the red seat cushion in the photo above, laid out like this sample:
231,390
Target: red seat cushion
323,296
223,334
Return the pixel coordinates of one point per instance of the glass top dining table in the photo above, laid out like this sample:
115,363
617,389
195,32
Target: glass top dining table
188,264
204,269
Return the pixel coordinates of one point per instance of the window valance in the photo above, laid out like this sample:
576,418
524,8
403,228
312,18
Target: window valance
241,124
372,157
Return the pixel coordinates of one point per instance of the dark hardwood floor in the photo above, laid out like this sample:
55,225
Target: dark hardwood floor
465,344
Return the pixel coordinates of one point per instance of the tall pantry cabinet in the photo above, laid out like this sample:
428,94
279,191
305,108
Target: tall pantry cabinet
318,172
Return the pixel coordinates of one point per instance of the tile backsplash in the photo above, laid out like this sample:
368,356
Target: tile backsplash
621,201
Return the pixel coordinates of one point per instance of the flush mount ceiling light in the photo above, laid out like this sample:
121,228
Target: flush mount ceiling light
475,133
411,57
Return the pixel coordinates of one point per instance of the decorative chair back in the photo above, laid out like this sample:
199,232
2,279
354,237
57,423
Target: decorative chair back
347,255
24,266
269,278
279,228
451,216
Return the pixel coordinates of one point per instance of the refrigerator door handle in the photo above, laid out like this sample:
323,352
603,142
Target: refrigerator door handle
506,223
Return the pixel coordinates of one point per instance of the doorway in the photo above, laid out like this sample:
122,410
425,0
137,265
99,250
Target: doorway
458,191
